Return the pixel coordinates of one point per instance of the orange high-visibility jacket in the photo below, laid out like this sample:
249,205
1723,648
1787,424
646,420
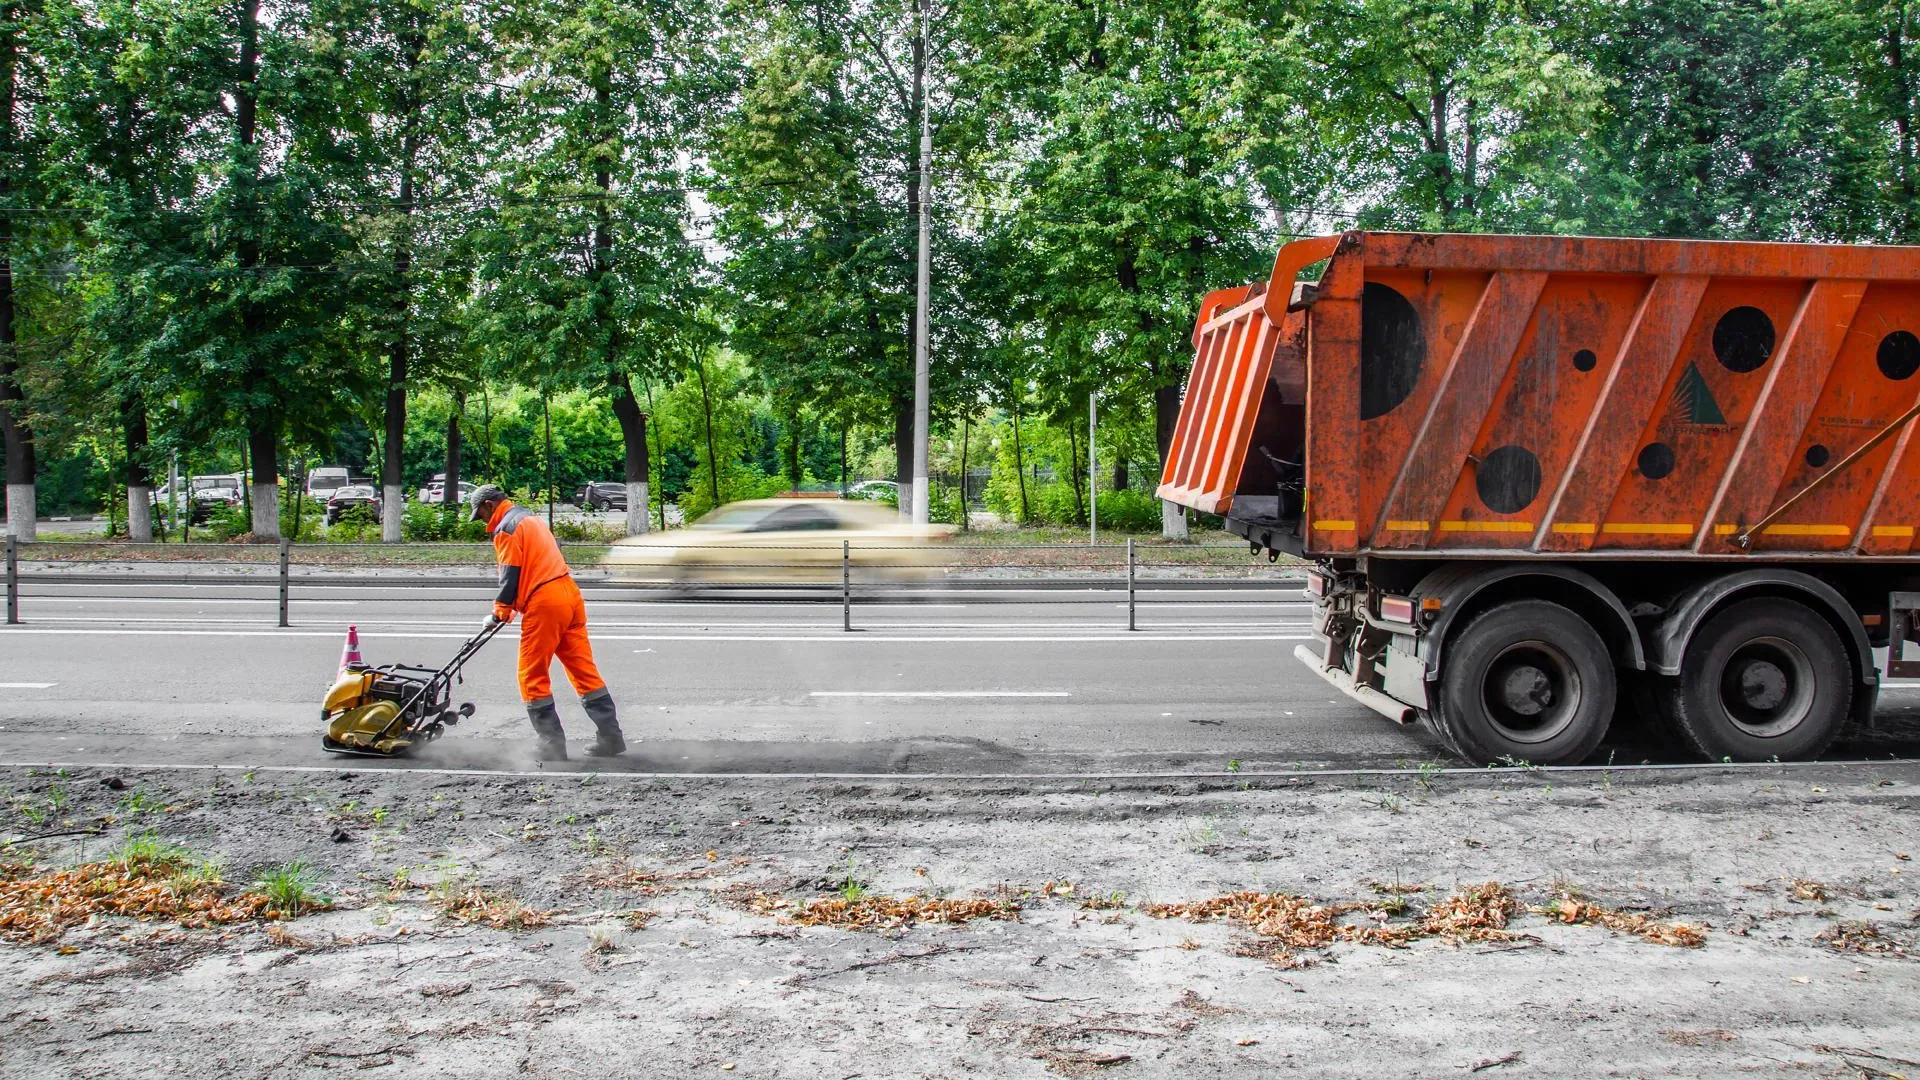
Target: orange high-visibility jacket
529,557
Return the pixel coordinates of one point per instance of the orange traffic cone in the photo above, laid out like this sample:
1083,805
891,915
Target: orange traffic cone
350,655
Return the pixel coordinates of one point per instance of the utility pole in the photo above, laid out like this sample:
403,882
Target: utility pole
923,301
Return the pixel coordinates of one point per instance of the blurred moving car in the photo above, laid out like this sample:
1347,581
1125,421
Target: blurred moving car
875,491
323,481
601,495
346,498
782,541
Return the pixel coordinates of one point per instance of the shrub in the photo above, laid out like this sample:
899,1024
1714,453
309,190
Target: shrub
1129,511
356,524
311,514
228,522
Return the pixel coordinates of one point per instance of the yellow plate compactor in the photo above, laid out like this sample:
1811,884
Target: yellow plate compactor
388,710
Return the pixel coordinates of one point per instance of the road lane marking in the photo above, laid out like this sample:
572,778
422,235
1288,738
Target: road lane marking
942,693
26,685
866,637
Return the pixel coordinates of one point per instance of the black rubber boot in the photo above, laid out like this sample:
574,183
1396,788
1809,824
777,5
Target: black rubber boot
546,728
608,742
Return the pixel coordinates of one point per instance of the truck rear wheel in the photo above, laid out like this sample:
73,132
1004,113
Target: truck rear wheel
1529,681
1764,678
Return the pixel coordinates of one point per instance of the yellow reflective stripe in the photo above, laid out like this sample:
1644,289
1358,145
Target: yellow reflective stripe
1407,526
1334,526
1487,526
1808,530
1894,530
1648,528
1584,528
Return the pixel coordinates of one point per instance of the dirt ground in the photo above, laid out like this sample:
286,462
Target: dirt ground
602,926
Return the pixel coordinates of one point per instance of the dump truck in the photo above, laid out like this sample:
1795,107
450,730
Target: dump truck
1544,482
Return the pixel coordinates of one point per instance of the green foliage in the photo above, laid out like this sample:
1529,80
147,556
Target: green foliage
292,888
226,223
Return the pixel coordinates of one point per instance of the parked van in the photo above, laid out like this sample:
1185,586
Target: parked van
325,480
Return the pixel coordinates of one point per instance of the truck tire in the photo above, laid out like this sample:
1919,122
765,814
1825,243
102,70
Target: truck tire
1762,679
1528,681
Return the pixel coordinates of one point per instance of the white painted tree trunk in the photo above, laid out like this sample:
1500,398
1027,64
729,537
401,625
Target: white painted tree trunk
638,522
266,510
906,498
392,505
20,515
140,514
1173,520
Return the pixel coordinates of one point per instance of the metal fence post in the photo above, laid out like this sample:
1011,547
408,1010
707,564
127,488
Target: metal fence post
13,579
1130,619
286,549
846,585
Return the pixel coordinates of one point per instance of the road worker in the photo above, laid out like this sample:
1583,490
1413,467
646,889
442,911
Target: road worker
536,584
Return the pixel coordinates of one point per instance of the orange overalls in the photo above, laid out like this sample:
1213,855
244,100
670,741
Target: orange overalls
535,581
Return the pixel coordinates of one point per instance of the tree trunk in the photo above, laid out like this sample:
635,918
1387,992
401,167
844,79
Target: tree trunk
393,495
633,438
138,478
1166,415
1020,465
660,451
713,465
17,436
392,472
794,474
1073,469
1120,476
965,424
903,450
263,421
450,488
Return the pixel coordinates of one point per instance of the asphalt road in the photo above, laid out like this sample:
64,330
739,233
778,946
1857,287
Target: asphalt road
1047,681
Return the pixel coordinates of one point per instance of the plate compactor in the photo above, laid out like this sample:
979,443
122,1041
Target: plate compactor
386,711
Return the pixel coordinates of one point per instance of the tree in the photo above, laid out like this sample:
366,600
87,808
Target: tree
19,166
592,276
1132,188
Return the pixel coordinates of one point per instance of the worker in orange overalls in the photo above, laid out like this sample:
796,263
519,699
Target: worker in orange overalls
535,582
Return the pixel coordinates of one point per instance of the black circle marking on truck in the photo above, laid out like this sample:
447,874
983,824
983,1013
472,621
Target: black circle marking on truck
1818,455
1584,360
1393,347
1508,479
1899,355
1743,339
1656,461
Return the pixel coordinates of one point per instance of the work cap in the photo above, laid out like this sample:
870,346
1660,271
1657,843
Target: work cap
484,495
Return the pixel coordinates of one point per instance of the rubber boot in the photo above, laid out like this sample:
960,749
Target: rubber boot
546,728
599,706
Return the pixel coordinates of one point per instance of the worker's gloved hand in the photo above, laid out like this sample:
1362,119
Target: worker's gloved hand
501,614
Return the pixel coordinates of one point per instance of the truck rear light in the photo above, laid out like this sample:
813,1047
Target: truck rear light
1396,609
1316,584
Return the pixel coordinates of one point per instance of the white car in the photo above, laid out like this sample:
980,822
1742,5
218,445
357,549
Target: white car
435,487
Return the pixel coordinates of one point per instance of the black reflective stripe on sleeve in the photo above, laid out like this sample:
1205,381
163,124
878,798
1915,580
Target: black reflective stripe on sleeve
509,586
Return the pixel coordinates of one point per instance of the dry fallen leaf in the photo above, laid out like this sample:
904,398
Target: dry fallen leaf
1246,1042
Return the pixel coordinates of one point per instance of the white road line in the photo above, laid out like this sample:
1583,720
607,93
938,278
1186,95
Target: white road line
941,693
26,685
841,638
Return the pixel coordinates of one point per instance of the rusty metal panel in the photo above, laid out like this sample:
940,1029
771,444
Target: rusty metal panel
1576,396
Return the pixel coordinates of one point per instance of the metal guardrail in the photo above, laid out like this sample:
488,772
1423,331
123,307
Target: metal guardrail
866,573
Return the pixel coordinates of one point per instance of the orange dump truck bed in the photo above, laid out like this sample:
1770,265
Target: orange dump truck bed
1452,395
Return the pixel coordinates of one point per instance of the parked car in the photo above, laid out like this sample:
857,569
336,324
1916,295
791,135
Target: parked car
350,496
601,495
432,492
208,494
792,540
875,491
325,480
